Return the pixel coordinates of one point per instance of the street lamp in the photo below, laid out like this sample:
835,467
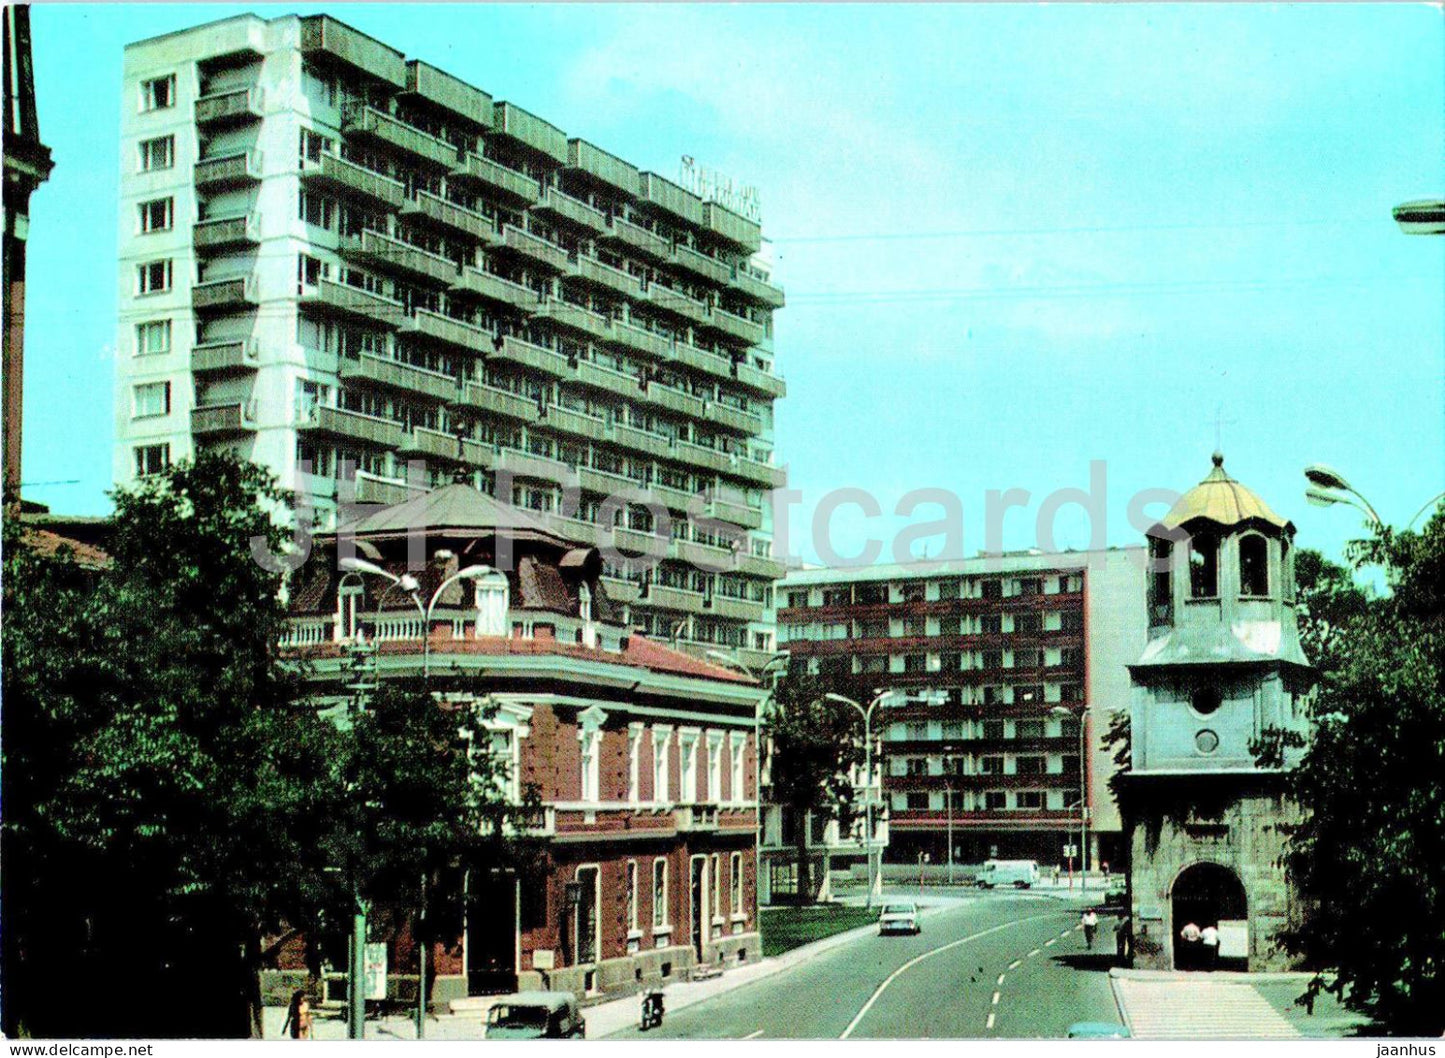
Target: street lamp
409,584
1329,483
1082,716
867,714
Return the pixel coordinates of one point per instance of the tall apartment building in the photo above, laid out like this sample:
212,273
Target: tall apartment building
338,260
1005,673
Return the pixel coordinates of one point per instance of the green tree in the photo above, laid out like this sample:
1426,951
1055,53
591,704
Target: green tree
1369,852
813,744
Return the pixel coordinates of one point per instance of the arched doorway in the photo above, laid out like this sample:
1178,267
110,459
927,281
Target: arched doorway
1208,894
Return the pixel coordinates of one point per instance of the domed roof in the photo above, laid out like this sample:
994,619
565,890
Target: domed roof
1221,500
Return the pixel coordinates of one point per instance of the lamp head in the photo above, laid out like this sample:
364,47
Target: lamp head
1326,477
1320,498
352,564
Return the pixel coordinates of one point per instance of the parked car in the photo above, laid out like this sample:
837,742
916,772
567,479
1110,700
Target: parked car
535,1016
1021,874
898,918
1097,1030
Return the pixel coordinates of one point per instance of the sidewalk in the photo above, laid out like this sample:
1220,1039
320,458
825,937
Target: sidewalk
1168,1005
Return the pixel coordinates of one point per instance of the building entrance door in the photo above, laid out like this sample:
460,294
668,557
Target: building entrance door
585,927
491,932
697,900
1208,894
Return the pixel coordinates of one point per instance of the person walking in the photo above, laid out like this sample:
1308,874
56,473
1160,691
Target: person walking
298,1016
1209,946
1090,922
1189,954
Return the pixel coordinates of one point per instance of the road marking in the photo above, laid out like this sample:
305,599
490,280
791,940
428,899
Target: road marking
929,954
1051,942
1015,964
1000,980
1065,933
990,1020
1031,954
753,1035
994,1002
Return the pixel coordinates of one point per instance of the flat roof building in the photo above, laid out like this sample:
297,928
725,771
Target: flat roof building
367,275
1004,669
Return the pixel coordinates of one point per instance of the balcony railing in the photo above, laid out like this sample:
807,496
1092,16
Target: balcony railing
237,106
602,166
329,295
449,215
760,473
736,609
225,232
712,363
575,317
534,356
592,271
424,323
738,327
501,402
324,37
529,131
663,194
574,422
339,422
528,465
674,400
632,337
758,291
761,566
354,180
224,295
701,455
437,445
638,239
620,590
677,303
385,254
669,598
735,419
574,211
697,817
216,420
226,358
373,489
228,170
389,131
535,249
726,224
642,441
605,378
700,264
760,381
735,511
496,179
494,288
393,374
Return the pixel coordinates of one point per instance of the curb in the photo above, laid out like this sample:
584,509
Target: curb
1225,976
1119,1004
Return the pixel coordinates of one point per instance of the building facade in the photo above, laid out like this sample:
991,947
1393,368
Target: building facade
644,758
1207,816
829,845
1004,672
367,275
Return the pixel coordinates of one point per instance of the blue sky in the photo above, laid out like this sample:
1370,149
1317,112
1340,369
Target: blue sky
1015,239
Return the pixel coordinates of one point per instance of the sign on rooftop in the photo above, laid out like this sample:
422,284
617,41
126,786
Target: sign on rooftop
712,186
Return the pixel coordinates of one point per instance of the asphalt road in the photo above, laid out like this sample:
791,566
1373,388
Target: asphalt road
996,965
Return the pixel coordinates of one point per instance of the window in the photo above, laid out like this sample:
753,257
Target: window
631,895
156,215
159,153
152,337
993,729
153,277
1031,586
591,739
316,209
309,272
152,459
1203,565
159,93
1029,729
916,800
1029,765
151,399
993,589
1161,579
313,146
716,867
1030,799
1072,620
634,760
1253,565
735,882
992,765
737,747
1028,623
714,766
1205,700
797,599
688,744
916,766
659,894
994,800
991,623
661,739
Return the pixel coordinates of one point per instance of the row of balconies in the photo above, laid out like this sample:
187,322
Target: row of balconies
1068,780
859,644
1061,601
695,602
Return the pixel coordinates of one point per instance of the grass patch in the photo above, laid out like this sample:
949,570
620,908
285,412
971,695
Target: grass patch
786,928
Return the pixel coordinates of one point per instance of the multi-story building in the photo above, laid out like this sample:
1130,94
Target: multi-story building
1004,673
644,759
371,277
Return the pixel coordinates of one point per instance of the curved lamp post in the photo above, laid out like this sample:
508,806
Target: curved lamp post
867,714
1329,485
1060,711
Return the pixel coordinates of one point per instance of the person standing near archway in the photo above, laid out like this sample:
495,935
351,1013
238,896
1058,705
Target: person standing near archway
1209,946
1189,955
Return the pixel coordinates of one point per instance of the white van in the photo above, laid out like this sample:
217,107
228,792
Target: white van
1021,874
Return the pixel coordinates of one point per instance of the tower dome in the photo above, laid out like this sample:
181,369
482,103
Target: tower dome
1224,501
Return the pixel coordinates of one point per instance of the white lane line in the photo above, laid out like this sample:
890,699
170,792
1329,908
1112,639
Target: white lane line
927,955
990,1020
1065,933
994,1001
1051,942
1015,964
753,1035
1031,954
1000,980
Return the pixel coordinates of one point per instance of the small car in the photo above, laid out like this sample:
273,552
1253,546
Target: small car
1097,1030
535,1016
898,918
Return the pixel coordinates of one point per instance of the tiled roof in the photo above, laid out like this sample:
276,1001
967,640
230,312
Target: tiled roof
86,556
1221,500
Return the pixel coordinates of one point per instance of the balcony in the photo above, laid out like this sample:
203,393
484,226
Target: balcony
350,179
734,510
441,89
496,180
236,107
224,420
639,339
437,211
331,296
737,327
535,250
666,196
761,473
569,210
323,38
493,287
642,441
619,590
529,131
424,323
603,167
224,295
677,303
738,230
579,424
604,378
541,468
228,170
761,566
666,598
500,402
701,265
704,556
757,290
760,381
373,489
385,254
574,529
220,233
591,271
702,360
735,419
674,400
433,444
605,483
700,455
637,239
536,357
226,358
574,317
352,425
736,609
375,126
395,375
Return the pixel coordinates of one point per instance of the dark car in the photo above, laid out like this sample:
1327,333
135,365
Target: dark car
535,1016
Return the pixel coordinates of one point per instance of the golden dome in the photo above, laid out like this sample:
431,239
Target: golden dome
1221,500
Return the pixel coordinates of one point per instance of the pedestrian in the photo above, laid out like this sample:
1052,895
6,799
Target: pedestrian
1189,954
298,1016
1209,944
1090,923
1056,874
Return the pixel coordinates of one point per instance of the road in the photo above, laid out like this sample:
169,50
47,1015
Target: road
995,965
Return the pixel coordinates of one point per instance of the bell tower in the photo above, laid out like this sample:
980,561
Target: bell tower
1221,678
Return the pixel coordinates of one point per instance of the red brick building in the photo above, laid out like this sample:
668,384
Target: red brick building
645,759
